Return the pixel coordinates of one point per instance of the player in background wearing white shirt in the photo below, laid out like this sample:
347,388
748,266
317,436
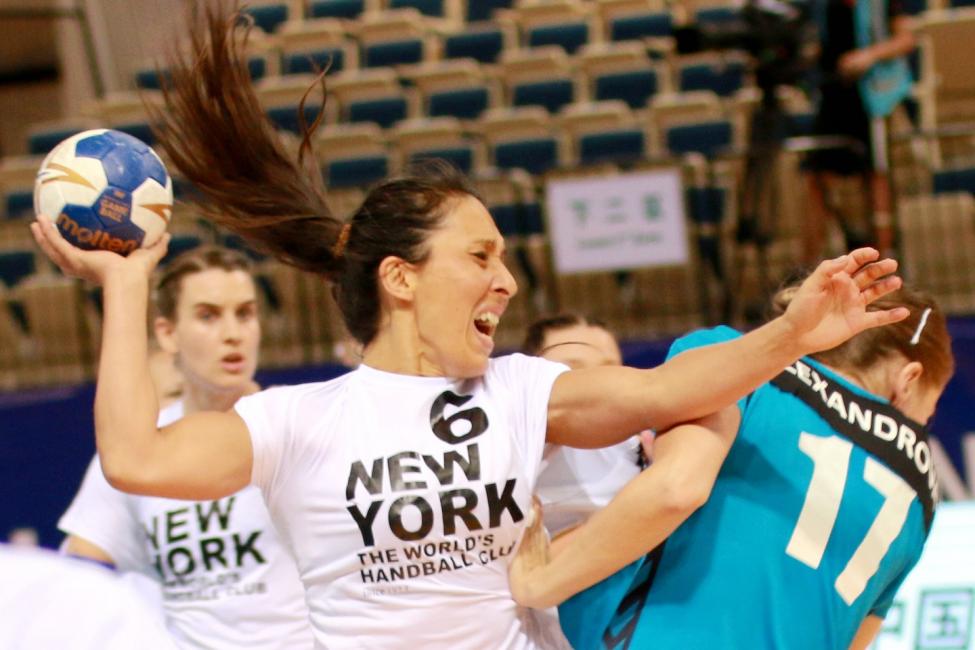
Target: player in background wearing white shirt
402,486
226,580
49,601
574,483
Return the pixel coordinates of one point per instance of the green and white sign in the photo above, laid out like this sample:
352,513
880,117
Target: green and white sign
622,222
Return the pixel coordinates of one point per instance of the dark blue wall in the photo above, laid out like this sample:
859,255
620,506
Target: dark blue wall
47,438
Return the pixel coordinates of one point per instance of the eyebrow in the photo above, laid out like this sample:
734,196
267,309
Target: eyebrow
211,305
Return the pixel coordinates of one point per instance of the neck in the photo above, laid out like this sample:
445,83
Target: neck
398,348
198,398
869,380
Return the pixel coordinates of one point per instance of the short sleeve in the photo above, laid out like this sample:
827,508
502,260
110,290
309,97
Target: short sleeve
530,381
886,597
102,515
703,338
267,416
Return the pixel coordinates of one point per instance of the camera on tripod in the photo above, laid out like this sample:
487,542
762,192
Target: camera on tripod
774,33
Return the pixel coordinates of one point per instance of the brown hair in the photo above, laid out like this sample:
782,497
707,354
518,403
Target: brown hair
922,336
537,331
216,133
170,282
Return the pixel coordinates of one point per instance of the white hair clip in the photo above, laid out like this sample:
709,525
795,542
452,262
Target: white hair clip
920,326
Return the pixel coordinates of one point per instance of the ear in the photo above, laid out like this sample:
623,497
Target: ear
165,331
907,381
397,278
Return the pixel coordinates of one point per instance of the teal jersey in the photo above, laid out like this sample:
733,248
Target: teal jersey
817,515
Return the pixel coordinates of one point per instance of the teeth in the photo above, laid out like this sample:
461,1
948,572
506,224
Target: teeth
489,318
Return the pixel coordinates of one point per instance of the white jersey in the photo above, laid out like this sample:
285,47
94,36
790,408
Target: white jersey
405,498
48,601
574,483
226,579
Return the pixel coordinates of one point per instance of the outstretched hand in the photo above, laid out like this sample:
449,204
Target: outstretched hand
95,266
830,307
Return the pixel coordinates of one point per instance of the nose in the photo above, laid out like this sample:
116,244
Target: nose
505,282
231,328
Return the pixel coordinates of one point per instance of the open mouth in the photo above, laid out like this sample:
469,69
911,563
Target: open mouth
486,323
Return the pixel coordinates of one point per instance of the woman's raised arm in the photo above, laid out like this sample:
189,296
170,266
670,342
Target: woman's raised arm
601,406
202,456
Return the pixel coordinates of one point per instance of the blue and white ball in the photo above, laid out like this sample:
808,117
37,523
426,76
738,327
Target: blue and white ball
106,190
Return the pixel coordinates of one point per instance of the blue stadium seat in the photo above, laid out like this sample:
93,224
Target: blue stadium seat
19,203
465,103
954,180
484,9
707,138
569,36
285,118
391,53
384,111
552,95
140,130
313,61
724,80
15,266
483,44
180,244
40,143
268,16
624,145
640,26
635,87
356,172
534,155
347,9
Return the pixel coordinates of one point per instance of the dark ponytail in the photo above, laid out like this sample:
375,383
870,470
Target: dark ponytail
214,130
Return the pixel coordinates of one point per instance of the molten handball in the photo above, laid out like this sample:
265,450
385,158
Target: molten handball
105,190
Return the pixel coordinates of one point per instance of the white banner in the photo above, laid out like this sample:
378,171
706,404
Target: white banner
935,607
623,222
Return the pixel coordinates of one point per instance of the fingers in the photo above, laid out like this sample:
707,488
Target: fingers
157,251
885,317
861,257
49,239
870,273
881,288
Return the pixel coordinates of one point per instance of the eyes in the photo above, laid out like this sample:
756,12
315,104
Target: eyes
212,313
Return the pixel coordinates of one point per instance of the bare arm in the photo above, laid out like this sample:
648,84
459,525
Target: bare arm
601,406
902,41
639,518
867,633
202,456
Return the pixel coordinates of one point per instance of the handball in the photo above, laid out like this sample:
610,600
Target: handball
105,190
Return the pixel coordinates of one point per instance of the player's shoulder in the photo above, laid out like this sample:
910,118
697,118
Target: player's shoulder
703,337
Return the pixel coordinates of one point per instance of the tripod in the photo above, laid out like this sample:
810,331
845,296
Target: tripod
760,193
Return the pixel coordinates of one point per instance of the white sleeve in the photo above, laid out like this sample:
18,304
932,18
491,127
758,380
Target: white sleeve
530,381
103,516
267,416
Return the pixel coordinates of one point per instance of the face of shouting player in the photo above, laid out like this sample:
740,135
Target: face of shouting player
458,294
